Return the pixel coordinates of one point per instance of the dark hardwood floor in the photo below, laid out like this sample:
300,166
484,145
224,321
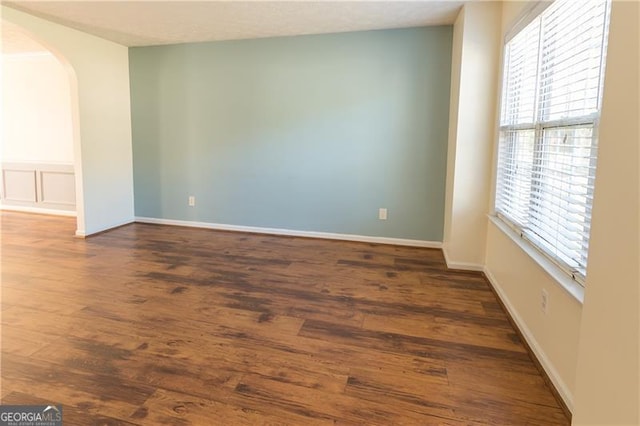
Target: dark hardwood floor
160,325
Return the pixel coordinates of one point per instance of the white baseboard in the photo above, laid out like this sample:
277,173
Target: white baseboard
557,381
84,233
293,233
462,266
38,210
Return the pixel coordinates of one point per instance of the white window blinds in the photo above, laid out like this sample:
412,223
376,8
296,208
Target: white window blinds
551,97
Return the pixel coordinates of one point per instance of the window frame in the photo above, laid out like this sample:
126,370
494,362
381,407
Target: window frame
563,273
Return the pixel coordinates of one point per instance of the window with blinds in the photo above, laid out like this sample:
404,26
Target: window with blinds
551,96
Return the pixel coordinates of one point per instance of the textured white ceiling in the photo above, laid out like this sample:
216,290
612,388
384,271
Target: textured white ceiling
144,23
14,40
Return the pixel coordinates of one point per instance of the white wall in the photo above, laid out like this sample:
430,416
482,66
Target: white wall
36,110
474,80
456,62
590,351
520,280
101,107
608,374
553,336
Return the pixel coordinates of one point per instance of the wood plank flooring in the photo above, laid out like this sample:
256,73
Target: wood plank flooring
157,325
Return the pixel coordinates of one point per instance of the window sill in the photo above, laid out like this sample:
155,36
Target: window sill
569,285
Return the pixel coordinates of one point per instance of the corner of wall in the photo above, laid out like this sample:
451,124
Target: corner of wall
456,58
460,266
608,364
104,183
471,133
558,382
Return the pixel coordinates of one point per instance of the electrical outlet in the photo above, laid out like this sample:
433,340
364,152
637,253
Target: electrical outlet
544,301
192,201
382,214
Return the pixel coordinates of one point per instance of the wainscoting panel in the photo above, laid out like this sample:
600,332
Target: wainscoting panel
38,187
57,188
19,186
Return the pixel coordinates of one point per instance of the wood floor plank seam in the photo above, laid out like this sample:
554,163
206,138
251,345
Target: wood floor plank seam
152,324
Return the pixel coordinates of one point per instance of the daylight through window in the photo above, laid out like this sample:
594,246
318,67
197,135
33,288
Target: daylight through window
551,97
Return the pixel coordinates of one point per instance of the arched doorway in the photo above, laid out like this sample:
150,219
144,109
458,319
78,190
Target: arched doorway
40,130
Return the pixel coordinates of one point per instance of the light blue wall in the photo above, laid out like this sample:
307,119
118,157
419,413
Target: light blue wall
310,133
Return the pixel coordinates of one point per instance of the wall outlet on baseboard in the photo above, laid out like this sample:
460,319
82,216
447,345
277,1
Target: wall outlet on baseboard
544,301
192,201
382,214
